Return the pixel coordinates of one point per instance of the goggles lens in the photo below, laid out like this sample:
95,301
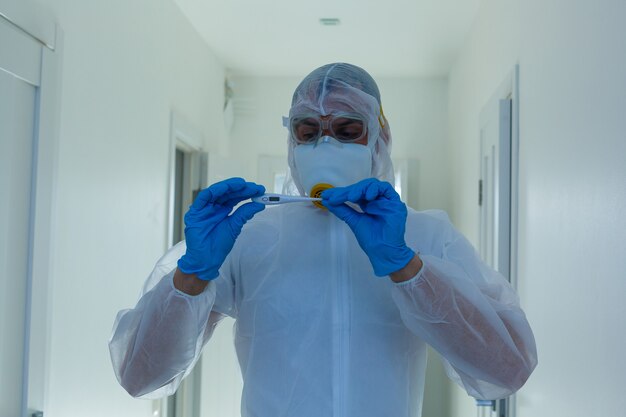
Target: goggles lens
344,128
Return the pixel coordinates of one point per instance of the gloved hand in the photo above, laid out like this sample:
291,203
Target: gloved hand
210,232
380,228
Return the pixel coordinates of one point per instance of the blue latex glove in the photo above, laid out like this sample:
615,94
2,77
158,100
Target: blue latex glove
380,228
210,231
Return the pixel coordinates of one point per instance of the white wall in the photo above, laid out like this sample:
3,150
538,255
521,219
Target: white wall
416,109
260,104
126,65
572,188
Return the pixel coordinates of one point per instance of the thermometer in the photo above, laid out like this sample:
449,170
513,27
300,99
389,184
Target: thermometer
274,199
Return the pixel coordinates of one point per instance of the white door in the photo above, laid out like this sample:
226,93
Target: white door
495,207
498,198
17,118
26,175
188,176
495,188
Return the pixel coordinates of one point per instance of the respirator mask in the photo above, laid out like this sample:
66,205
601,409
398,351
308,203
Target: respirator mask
330,161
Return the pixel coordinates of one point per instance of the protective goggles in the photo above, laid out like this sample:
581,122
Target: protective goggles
346,127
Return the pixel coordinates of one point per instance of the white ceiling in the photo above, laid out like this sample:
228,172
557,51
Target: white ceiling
393,38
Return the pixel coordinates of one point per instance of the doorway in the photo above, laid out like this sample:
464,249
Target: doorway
188,176
497,198
29,80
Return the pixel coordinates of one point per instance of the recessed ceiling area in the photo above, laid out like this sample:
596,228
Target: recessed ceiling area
395,38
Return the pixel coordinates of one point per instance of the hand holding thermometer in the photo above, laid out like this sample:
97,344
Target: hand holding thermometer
275,199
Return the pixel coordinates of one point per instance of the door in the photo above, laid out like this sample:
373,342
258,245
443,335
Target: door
497,198
495,188
188,175
495,208
28,80
17,118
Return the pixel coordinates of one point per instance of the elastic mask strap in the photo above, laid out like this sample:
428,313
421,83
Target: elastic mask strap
382,120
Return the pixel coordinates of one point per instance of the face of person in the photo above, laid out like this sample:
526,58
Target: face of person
341,112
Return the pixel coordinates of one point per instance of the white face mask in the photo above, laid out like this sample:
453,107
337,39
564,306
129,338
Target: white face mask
331,163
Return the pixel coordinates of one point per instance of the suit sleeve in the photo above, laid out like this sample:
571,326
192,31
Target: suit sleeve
157,343
471,315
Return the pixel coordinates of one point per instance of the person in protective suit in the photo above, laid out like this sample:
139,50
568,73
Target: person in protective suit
334,303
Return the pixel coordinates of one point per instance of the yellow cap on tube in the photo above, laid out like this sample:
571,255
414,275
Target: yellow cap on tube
316,192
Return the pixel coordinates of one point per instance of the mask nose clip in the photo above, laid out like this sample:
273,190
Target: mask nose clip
329,140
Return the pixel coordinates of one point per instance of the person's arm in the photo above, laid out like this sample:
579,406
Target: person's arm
189,283
513,371
471,316
156,344
463,309
409,271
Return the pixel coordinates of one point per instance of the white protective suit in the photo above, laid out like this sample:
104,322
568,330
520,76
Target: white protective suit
317,333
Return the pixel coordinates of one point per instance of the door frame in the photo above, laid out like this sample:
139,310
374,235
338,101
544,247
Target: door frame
507,89
186,137
183,135
30,22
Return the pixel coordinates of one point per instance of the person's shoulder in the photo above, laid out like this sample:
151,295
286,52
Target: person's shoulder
428,230
432,216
